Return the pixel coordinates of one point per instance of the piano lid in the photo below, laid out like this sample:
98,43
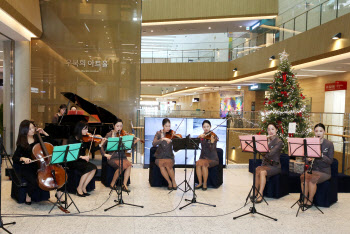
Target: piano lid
104,115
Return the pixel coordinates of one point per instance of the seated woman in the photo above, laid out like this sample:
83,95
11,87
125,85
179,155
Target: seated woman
271,161
321,167
113,158
26,140
60,113
209,157
164,154
86,168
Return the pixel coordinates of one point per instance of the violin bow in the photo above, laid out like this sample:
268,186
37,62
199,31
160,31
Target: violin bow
93,135
177,128
226,118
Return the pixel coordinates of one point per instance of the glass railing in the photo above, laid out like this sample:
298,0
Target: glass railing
337,128
314,14
310,18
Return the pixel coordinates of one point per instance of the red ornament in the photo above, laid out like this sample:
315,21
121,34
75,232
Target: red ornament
269,102
271,87
303,97
280,104
284,76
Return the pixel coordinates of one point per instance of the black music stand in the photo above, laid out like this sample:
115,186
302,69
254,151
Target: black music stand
306,148
255,144
194,143
64,154
3,152
184,144
120,144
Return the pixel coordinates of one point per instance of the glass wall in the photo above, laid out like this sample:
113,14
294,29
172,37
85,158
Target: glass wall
89,48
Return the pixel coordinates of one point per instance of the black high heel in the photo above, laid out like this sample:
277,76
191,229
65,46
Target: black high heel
198,187
28,203
87,194
125,189
62,202
80,195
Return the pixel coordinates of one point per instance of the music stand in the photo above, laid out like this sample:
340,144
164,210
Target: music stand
63,154
255,144
195,143
184,144
306,148
120,144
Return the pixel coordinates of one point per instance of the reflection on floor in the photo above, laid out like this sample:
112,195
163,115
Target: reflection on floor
228,198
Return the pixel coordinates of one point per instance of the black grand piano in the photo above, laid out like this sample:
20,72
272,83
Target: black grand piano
99,119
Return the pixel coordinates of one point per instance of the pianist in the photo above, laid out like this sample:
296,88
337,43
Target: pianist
60,113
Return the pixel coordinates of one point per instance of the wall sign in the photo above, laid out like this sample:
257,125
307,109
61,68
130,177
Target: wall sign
338,85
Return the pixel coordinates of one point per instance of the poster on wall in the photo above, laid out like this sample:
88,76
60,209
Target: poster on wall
231,102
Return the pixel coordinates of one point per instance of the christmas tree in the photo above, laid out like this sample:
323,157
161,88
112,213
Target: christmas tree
285,104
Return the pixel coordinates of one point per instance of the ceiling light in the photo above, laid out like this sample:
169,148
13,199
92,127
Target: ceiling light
134,19
336,36
99,11
151,30
235,69
209,28
241,26
272,57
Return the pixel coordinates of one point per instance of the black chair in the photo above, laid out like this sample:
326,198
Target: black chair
19,190
258,162
155,177
277,185
74,179
216,174
327,192
107,173
343,183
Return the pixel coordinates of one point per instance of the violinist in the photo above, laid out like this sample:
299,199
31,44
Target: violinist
164,154
320,170
86,168
271,161
113,158
26,140
209,157
61,111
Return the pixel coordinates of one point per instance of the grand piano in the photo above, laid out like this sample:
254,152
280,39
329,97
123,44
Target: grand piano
99,119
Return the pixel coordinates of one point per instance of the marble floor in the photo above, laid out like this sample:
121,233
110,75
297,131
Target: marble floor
229,198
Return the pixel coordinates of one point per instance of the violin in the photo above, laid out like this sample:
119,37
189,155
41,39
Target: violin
209,134
125,133
92,138
50,176
171,135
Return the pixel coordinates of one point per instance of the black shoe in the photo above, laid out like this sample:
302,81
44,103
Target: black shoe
204,189
28,203
62,202
257,202
175,188
307,206
198,187
80,195
252,198
87,194
125,189
170,188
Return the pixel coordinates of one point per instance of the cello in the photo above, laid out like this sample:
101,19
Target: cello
50,176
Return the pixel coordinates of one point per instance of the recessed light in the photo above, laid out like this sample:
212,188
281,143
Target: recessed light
99,11
241,26
102,19
209,28
151,30
134,19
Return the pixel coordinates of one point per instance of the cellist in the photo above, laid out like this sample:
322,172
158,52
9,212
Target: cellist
26,140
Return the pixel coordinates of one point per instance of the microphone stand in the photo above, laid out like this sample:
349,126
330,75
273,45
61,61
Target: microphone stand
1,222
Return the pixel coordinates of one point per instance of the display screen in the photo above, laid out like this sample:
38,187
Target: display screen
186,126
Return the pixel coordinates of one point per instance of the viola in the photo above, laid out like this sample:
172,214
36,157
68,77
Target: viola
92,138
50,176
171,135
